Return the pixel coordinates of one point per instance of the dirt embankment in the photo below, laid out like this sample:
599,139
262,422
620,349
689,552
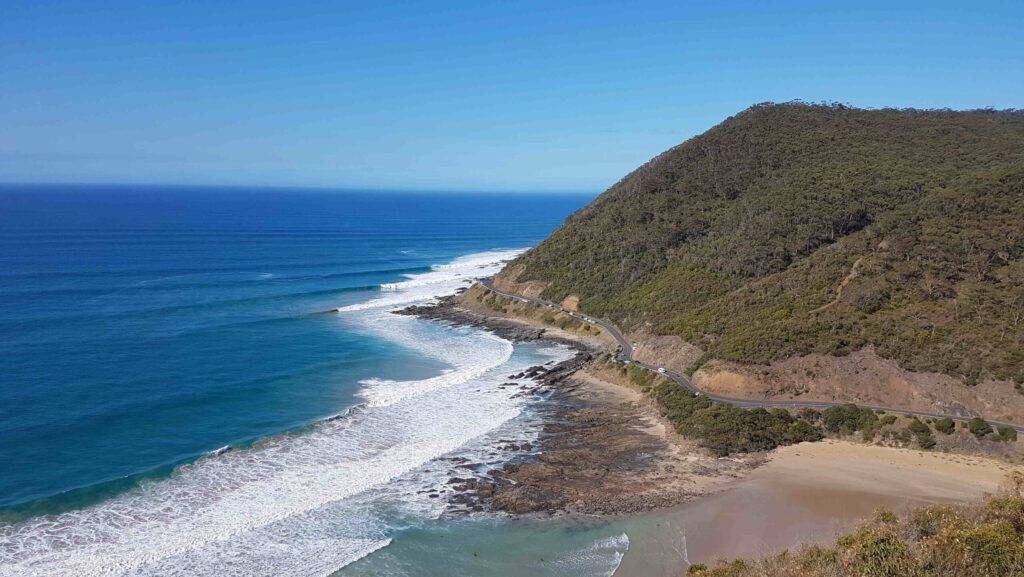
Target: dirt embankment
506,281
862,377
667,351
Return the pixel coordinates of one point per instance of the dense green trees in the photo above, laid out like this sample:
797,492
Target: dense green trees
738,239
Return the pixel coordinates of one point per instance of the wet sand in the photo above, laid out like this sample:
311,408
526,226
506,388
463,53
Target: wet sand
807,493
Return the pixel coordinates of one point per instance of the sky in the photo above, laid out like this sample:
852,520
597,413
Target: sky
525,96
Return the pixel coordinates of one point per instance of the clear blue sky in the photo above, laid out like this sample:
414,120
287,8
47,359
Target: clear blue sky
454,95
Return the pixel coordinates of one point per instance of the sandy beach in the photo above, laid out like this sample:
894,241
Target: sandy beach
806,493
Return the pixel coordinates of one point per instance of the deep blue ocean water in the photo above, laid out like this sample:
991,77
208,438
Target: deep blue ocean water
143,326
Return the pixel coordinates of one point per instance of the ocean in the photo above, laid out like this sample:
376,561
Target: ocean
208,381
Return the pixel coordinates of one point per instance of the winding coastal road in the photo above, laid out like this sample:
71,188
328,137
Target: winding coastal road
625,355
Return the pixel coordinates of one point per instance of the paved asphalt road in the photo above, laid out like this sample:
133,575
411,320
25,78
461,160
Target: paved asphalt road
626,355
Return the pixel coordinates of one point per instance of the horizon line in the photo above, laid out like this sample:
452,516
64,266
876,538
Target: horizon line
298,188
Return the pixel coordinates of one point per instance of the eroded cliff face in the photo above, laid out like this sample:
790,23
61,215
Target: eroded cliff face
506,281
864,378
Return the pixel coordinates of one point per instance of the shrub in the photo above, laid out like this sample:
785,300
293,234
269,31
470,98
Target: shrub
868,434
1007,505
935,541
918,428
922,432
928,521
801,431
810,415
998,548
642,377
979,427
886,517
1006,434
846,419
726,429
879,553
888,420
945,426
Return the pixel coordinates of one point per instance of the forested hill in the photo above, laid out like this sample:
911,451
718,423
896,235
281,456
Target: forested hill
793,228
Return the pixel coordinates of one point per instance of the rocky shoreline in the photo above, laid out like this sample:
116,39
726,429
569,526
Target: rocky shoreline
596,454
447,309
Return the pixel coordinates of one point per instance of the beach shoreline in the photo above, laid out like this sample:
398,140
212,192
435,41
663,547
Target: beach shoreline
608,451
605,448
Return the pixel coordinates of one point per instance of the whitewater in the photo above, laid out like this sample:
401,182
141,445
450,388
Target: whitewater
305,502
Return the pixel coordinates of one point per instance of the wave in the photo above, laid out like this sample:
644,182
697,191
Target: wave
469,353
440,280
29,322
303,503
301,487
592,560
382,392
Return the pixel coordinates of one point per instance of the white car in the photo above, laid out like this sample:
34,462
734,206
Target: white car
661,370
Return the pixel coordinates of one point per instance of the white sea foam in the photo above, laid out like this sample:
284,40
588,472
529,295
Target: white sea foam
487,352
594,559
297,504
470,353
441,280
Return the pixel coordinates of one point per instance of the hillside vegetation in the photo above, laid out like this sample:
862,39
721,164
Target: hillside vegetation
725,429
792,229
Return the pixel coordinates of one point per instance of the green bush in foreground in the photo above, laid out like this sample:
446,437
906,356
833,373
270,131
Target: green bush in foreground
985,540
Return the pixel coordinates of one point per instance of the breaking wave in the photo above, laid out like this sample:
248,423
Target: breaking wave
304,503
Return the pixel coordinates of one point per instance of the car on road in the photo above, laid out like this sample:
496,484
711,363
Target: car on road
661,370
